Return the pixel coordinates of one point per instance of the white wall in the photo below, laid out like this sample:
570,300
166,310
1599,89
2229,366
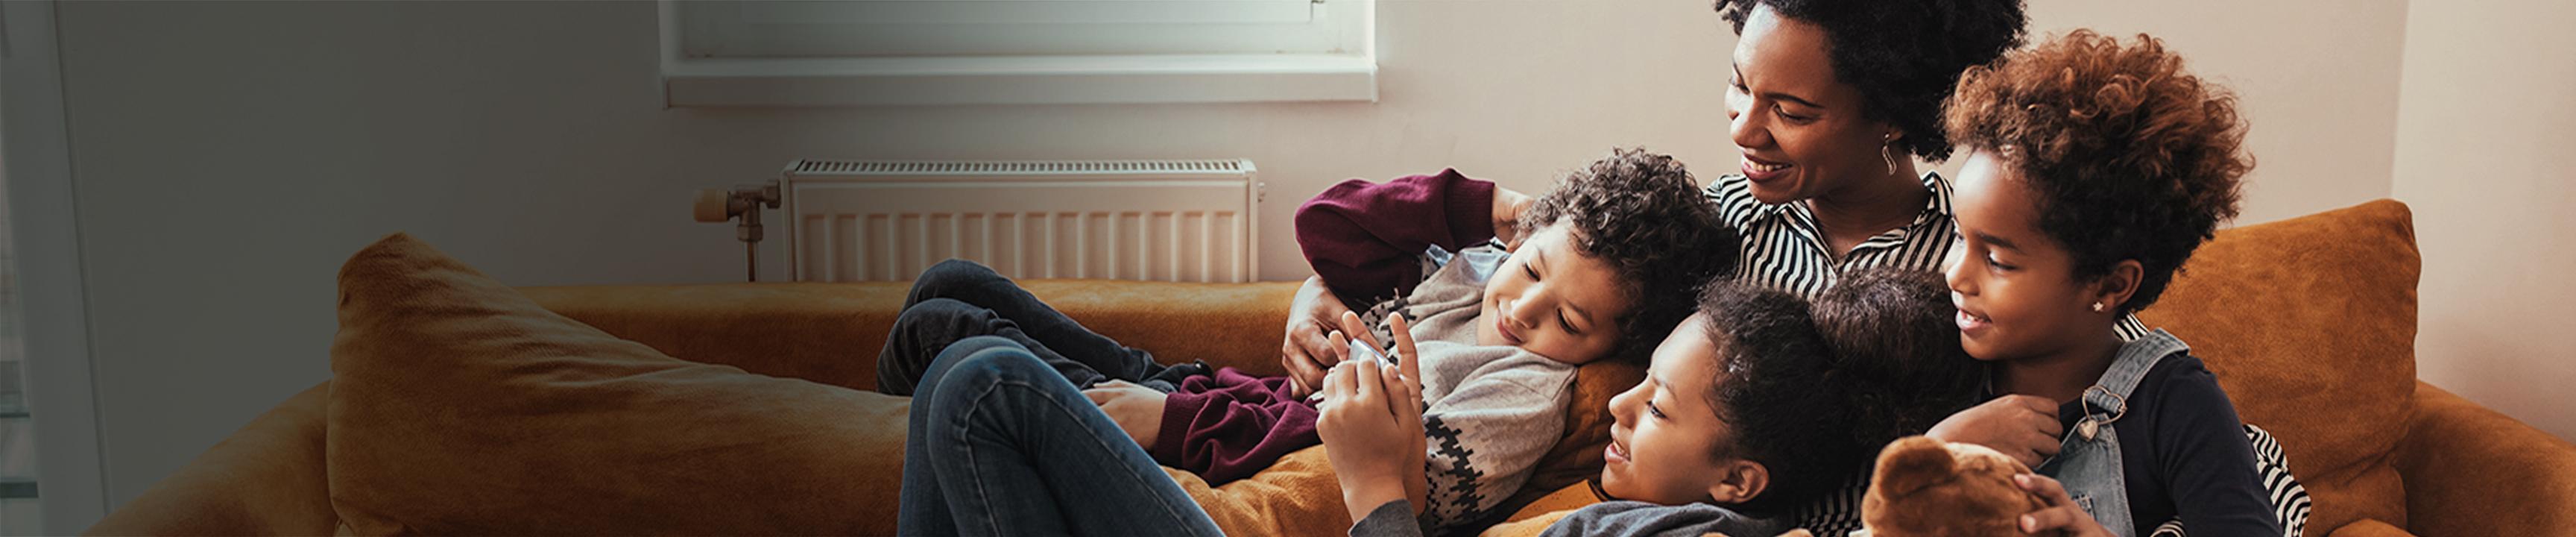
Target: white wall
2487,116
230,155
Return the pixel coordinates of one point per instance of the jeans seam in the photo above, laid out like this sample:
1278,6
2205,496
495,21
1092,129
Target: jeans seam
976,404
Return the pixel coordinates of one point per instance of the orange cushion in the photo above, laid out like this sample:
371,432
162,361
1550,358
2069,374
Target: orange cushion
2309,323
458,406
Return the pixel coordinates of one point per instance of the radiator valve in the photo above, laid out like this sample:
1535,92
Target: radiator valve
741,203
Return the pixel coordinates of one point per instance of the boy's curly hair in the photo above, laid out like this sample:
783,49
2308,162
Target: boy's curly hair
2129,156
1896,337
1772,369
1644,216
1903,55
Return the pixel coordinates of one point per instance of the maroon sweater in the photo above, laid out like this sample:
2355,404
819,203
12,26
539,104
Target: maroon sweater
1364,240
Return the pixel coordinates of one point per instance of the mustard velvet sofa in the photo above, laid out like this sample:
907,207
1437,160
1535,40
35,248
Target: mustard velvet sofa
2309,323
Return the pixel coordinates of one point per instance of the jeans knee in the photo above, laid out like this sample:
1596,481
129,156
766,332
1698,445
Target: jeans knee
940,316
949,277
980,360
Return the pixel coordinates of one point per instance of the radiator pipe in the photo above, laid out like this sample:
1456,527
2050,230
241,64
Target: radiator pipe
742,204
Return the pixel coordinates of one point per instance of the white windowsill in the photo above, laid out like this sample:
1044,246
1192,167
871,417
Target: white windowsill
1018,80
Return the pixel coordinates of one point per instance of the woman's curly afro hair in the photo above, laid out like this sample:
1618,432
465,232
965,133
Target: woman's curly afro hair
1903,55
2129,156
1644,216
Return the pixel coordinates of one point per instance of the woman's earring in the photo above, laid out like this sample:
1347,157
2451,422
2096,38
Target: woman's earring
2097,307
1885,154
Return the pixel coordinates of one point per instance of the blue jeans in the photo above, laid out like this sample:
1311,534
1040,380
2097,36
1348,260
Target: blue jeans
958,299
1001,444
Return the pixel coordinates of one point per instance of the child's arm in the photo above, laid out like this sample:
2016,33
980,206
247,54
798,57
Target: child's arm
1235,429
2208,466
1363,237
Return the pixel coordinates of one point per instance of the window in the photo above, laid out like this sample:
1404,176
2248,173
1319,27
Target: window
858,52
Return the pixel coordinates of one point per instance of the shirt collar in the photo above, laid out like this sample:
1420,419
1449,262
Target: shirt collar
1935,209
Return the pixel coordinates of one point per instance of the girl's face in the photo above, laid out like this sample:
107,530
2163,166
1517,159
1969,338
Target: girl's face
1663,447
1550,299
2015,286
1800,129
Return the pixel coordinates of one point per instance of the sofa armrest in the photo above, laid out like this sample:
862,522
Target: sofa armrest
2470,470
831,332
265,479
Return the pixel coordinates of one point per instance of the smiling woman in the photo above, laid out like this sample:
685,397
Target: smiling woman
1828,103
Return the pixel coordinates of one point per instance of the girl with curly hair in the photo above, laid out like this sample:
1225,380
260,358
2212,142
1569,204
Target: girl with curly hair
2096,168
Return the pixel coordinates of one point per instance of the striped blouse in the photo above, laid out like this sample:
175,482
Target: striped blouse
1783,248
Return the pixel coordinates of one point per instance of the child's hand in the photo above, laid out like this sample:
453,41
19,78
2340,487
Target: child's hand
1306,350
1508,206
1137,409
2061,515
1406,379
1371,424
2023,427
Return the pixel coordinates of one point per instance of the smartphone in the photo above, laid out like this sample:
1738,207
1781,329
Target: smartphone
1360,350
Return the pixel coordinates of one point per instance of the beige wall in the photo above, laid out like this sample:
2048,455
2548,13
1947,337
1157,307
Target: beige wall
229,156
2487,117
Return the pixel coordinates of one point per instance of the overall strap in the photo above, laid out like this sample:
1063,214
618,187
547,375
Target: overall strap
2108,399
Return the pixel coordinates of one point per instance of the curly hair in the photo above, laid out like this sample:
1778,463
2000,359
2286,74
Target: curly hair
1642,215
1903,55
1770,370
2129,156
1895,333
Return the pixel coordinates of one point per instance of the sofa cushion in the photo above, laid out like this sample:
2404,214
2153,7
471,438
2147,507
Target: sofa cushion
2309,323
459,406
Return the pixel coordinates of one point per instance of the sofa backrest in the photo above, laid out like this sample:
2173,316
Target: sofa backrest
2309,323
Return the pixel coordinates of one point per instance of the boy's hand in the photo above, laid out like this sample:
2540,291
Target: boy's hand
2062,516
1371,422
2023,427
1508,206
1137,409
1307,351
1406,380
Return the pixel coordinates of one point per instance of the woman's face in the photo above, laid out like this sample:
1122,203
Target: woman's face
1663,447
2016,288
1800,129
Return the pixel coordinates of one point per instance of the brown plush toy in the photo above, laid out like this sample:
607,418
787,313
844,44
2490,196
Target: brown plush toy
1928,488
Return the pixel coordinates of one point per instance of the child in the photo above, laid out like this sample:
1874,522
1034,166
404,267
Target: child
1755,406
1597,275
2097,168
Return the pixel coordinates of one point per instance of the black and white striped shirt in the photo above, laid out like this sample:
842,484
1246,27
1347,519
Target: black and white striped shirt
1783,248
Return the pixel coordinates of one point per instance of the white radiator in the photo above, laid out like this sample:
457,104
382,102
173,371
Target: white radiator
1164,220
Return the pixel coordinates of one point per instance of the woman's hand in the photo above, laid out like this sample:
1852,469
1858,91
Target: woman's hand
1371,424
1508,206
1307,351
2061,515
2023,427
1137,409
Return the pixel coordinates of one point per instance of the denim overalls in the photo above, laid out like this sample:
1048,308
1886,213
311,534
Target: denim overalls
2088,462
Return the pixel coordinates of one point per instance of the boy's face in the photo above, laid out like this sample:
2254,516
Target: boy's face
2015,286
1663,448
1550,299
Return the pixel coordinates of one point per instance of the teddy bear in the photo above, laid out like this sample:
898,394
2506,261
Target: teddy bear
1924,487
